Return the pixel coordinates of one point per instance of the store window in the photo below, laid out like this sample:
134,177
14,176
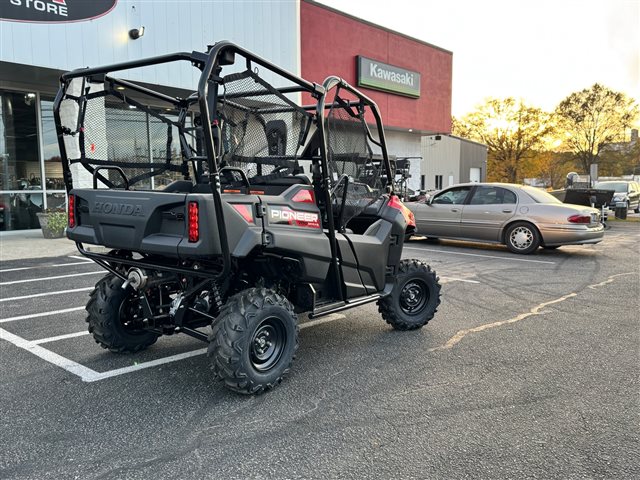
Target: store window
50,150
20,169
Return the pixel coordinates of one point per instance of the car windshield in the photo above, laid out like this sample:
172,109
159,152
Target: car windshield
540,196
619,187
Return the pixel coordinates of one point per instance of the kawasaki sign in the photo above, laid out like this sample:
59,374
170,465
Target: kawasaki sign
388,78
54,11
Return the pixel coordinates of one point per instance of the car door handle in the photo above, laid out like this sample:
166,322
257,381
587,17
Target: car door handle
455,210
507,210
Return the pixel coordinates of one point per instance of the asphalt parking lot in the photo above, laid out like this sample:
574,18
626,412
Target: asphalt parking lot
528,370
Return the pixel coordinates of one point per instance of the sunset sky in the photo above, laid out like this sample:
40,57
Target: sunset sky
540,50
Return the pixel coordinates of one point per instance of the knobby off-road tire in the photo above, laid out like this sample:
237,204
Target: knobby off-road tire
253,341
522,237
109,308
415,296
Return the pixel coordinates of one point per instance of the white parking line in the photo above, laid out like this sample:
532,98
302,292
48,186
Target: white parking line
46,294
447,252
56,277
51,357
46,266
95,376
89,375
60,337
43,314
454,279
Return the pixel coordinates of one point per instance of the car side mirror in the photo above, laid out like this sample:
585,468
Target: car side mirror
428,199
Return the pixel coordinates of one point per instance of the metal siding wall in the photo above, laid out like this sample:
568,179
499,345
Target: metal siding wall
440,157
472,155
268,28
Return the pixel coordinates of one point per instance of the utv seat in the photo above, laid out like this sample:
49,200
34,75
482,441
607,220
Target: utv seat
275,186
179,186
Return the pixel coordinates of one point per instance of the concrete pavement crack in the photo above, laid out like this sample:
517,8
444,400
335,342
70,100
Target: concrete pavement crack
537,310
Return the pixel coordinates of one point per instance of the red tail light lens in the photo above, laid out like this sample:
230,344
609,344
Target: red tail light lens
304,196
245,210
396,203
71,213
579,219
194,222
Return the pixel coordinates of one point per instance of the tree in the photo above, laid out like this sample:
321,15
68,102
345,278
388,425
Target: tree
592,118
512,131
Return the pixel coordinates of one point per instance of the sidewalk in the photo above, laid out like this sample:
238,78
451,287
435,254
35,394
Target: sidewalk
31,244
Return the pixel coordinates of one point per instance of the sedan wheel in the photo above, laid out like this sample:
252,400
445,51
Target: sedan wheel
522,237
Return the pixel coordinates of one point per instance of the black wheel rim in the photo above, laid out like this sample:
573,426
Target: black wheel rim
131,315
414,297
267,344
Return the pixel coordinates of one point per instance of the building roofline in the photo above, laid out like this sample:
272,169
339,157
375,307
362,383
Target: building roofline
375,25
468,141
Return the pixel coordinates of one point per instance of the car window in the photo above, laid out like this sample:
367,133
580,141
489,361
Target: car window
619,187
492,196
455,196
540,196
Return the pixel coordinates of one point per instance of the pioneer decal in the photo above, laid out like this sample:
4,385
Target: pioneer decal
54,11
118,208
286,216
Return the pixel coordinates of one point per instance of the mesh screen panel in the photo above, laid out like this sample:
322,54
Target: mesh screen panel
350,154
261,132
103,129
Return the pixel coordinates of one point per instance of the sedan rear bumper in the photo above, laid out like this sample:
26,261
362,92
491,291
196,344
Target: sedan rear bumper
571,234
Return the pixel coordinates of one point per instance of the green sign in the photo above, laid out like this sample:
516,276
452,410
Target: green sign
388,78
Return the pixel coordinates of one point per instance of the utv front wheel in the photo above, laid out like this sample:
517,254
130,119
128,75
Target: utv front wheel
114,317
414,299
253,341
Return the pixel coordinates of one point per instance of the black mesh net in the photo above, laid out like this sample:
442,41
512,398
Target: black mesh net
262,129
351,159
102,127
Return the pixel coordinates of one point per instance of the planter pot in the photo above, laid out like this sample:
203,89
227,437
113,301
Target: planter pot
47,231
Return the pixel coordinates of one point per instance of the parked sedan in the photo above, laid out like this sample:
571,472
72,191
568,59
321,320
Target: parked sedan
521,217
625,191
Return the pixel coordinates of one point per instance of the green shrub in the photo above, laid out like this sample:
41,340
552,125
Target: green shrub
57,221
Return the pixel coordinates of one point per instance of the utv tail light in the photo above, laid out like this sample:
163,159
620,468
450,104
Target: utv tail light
245,210
579,219
71,214
396,203
304,196
194,222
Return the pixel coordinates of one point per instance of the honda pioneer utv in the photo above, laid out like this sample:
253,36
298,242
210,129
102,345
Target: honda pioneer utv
237,206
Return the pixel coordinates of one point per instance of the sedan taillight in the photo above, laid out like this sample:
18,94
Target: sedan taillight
580,219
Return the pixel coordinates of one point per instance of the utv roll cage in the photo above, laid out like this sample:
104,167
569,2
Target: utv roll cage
204,161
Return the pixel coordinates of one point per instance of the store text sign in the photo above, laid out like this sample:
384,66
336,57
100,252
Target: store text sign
54,11
388,78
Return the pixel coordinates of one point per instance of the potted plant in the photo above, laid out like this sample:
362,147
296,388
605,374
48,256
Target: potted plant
53,223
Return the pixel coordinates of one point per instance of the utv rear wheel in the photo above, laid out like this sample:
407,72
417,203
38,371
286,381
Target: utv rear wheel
414,299
253,341
114,316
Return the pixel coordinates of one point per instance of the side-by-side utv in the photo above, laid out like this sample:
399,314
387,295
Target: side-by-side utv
235,207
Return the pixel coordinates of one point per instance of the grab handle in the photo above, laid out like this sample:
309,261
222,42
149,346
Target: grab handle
110,167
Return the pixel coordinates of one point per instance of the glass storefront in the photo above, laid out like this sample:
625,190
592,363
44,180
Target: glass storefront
21,190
